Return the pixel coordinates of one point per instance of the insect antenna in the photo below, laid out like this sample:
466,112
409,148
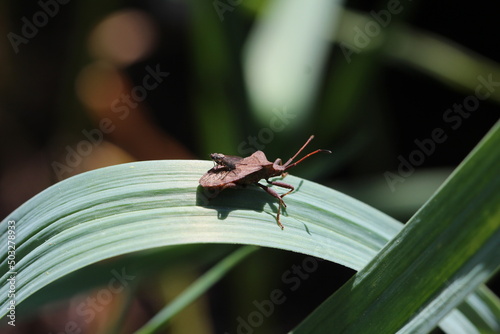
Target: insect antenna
298,152
288,164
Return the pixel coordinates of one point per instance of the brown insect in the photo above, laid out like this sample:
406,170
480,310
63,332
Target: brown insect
234,172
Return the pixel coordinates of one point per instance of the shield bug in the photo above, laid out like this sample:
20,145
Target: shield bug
235,172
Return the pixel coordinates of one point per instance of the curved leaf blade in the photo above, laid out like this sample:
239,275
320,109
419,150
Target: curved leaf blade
136,206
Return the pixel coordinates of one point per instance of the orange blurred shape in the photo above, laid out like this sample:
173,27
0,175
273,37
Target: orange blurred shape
99,84
123,37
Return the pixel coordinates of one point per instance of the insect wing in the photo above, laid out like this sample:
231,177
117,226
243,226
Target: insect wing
220,175
247,166
217,177
212,178
258,158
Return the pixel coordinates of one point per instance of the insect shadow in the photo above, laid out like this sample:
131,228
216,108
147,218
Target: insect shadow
250,198
233,199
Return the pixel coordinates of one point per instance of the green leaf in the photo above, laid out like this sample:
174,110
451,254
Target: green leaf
139,264
443,253
138,206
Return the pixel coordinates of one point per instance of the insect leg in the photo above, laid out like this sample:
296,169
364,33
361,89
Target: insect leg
281,202
283,185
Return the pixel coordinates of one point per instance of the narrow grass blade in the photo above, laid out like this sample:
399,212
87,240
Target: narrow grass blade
444,252
196,289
